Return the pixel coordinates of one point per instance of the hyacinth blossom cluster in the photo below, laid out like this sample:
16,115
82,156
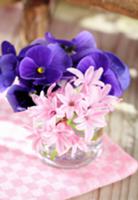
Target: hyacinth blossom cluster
46,61
67,118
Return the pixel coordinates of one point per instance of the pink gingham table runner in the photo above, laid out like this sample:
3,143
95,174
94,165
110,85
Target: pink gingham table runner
24,176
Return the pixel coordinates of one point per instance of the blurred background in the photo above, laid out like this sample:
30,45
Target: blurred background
115,27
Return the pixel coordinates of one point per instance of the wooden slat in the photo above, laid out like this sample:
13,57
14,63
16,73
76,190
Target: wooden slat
116,190
7,2
36,17
87,196
126,7
133,191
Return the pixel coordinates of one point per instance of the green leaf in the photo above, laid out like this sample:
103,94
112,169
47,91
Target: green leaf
53,154
71,123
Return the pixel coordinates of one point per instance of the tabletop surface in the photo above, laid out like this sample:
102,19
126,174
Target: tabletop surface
122,124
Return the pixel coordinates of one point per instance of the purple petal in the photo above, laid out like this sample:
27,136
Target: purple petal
26,83
28,69
2,86
96,58
6,80
7,71
85,63
41,41
24,50
8,62
51,76
84,40
76,57
67,76
101,60
19,98
40,54
7,47
110,78
120,69
59,60
51,39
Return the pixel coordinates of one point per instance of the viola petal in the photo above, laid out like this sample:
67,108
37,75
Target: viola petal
24,50
110,78
85,63
59,60
120,69
51,76
7,71
7,47
28,69
100,59
51,39
8,63
84,40
40,54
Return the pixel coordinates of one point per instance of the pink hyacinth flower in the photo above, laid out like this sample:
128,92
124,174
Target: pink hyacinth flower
90,77
78,143
58,137
70,101
45,108
91,120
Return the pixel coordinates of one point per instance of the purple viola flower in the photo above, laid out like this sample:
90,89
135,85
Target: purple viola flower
19,98
78,47
7,48
7,71
115,72
44,65
23,53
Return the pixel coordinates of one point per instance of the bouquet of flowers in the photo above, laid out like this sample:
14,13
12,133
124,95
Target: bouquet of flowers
67,87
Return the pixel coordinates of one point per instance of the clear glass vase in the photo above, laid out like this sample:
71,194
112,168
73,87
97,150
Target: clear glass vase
81,158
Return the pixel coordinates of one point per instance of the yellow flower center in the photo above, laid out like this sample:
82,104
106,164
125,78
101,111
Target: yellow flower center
40,70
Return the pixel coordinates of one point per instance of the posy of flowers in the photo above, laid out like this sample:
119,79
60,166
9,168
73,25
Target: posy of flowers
68,87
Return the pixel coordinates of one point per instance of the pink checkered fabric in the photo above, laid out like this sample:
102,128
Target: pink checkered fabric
24,176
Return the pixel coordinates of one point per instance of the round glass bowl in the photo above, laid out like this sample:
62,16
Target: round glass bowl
81,158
